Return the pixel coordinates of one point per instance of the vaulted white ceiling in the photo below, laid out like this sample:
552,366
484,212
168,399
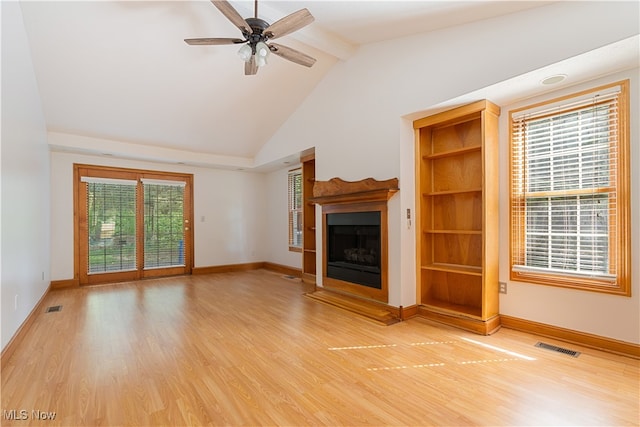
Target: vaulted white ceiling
120,70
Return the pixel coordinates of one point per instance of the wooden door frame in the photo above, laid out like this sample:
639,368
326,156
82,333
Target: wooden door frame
136,174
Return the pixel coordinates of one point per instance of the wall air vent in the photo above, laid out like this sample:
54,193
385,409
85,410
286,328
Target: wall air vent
558,349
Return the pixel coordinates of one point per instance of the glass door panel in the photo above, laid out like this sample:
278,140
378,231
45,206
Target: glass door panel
111,211
163,224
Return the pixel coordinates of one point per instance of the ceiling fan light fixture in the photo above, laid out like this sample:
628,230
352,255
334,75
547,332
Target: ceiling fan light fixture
245,53
261,61
262,52
256,32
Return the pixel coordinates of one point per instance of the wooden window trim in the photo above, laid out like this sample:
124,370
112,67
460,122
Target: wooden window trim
619,233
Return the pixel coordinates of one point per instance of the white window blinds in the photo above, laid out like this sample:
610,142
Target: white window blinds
564,187
111,215
163,223
295,207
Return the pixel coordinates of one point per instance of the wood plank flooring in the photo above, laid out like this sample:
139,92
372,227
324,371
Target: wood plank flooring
249,349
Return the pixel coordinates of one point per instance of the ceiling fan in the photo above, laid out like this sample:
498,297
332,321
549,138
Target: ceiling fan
256,32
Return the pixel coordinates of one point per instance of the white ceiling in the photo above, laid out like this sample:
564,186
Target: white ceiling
120,70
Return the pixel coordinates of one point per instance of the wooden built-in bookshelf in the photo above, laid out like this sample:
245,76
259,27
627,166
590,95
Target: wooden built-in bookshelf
457,228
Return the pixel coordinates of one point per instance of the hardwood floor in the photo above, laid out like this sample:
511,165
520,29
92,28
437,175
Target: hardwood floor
249,349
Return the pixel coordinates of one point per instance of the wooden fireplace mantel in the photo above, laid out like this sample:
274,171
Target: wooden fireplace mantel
338,196
336,191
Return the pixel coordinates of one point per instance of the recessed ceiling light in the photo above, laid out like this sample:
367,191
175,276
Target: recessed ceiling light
551,80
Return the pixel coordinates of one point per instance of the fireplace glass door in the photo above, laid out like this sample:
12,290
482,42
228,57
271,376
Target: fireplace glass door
353,248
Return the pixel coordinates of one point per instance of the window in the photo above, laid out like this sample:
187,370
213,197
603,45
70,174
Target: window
295,209
570,191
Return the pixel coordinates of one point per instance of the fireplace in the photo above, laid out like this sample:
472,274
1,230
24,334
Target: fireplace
355,236
353,248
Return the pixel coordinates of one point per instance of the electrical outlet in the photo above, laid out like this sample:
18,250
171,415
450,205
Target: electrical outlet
15,303
503,287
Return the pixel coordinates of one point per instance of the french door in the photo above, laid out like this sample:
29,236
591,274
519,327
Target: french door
131,224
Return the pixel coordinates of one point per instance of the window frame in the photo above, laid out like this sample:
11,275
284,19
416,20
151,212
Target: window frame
619,233
293,210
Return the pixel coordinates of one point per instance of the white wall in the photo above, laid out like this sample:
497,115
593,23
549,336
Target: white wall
234,229
607,315
354,117
277,217
229,211
25,224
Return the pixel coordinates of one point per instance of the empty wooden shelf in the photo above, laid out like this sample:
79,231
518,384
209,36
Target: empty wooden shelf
457,216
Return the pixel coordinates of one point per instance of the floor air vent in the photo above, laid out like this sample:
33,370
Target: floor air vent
54,308
290,277
558,349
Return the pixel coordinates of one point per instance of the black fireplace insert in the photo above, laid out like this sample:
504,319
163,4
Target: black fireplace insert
353,248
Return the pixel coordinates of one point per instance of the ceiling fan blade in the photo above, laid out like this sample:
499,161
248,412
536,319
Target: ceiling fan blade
232,15
214,41
292,55
250,67
289,24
